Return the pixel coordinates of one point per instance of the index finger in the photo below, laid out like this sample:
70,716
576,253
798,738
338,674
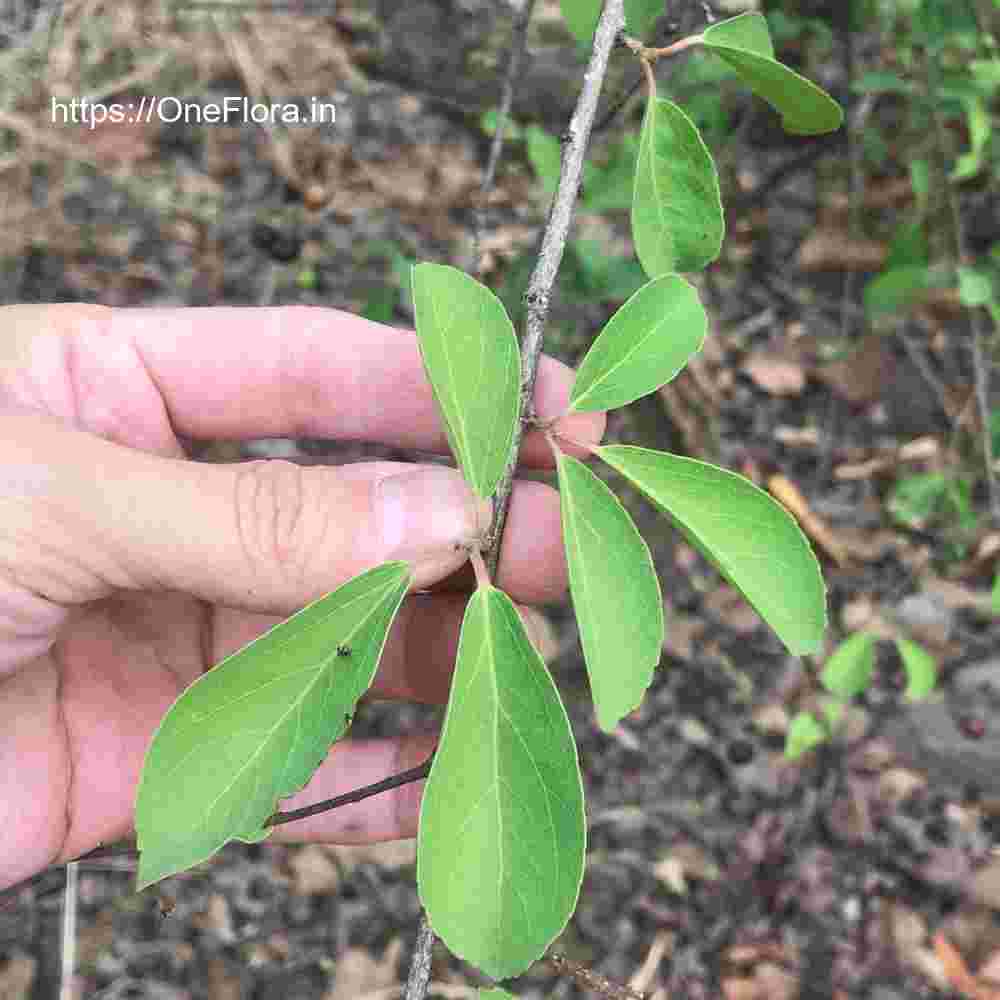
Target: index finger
284,371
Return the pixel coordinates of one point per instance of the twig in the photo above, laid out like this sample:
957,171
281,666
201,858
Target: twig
420,967
519,42
592,980
553,244
980,373
357,795
70,898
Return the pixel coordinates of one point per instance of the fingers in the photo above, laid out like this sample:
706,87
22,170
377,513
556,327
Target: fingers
142,376
268,536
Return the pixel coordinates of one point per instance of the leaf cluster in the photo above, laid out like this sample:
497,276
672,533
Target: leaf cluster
502,828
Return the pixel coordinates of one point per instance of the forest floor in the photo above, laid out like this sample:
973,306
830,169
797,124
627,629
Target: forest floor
716,866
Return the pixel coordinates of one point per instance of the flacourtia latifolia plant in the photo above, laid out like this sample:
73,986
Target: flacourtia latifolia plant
501,843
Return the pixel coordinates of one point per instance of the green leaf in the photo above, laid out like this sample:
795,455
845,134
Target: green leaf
582,16
607,187
677,220
920,667
848,671
995,595
641,15
920,180
616,592
882,82
980,125
805,732
749,537
897,289
472,359
500,851
909,247
254,728
915,499
588,273
745,44
644,345
746,32
381,305
986,73
494,994
833,711
975,287
545,154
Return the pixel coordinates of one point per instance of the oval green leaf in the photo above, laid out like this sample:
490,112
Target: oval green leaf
473,363
805,732
677,220
745,44
254,728
848,671
616,592
747,535
500,850
644,345
920,667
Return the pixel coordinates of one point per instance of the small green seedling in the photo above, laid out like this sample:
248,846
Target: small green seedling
848,673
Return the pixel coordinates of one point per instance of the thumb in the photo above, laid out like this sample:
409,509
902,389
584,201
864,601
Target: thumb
92,516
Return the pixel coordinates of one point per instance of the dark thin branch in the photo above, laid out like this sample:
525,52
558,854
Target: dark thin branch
357,795
592,981
976,315
519,43
553,244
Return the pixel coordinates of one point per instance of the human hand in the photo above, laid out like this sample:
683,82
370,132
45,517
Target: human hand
126,570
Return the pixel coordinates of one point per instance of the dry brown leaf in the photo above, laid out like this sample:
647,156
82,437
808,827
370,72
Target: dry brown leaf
390,854
907,934
834,250
985,885
955,595
680,633
775,982
730,605
739,988
356,973
313,870
222,984
897,783
216,918
857,614
989,971
775,374
785,491
17,974
797,437
661,948
955,968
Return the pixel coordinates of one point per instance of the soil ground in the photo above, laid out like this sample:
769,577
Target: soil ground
716,867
